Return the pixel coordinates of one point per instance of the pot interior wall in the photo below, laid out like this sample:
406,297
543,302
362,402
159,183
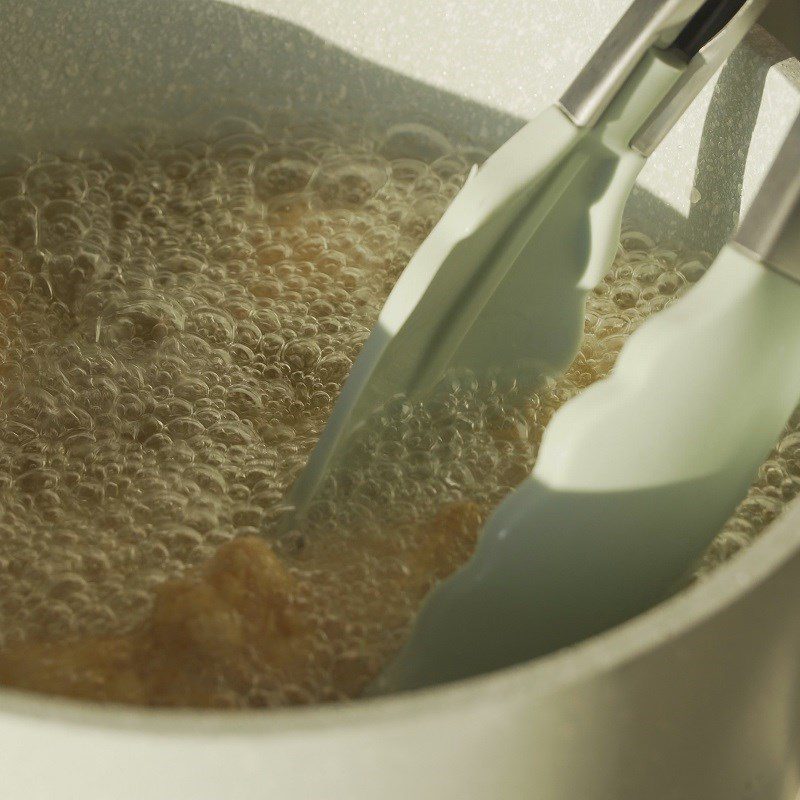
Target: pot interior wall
92,64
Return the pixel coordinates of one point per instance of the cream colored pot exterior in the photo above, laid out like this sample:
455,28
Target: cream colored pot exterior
698,699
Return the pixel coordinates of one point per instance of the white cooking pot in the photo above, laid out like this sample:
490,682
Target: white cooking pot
698,699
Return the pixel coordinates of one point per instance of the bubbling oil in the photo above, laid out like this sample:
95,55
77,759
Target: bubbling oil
176,322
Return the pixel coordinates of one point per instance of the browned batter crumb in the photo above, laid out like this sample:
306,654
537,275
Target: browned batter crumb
241,620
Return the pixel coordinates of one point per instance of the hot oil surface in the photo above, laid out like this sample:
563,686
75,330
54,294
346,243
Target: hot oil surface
175,324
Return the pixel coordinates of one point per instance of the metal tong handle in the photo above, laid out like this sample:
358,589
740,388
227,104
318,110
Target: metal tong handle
703,33
771,229
706,41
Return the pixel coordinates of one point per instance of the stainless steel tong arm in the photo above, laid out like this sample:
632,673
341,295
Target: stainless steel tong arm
702,33
770,231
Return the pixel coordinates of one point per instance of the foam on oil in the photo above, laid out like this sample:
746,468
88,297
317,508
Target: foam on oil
175,324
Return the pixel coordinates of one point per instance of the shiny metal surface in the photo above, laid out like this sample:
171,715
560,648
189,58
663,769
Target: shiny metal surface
771,230
641,26
698,72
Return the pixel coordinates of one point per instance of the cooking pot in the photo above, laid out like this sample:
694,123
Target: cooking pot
697,699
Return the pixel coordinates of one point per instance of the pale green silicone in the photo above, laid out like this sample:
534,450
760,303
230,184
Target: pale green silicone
500,282
634,478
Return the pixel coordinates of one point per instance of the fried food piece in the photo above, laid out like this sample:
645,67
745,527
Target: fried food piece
243,621
196,648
